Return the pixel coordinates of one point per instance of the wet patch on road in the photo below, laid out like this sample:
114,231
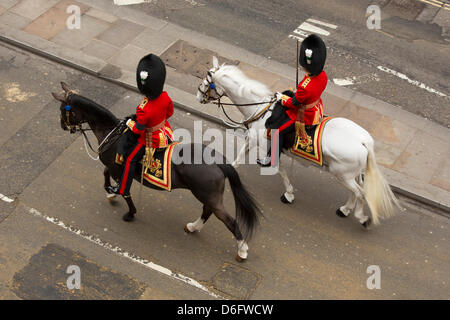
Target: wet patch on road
45,277
236,282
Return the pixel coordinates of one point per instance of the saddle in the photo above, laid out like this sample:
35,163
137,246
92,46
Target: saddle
311,147
157,170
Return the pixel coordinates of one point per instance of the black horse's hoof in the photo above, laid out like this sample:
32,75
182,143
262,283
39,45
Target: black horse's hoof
285,200
128,217
340,214
367,223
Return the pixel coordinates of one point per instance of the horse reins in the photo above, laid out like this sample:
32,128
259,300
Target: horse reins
78,127
207,97
252,118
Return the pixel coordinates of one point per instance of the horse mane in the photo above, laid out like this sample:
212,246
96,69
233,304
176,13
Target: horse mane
91,107
244,86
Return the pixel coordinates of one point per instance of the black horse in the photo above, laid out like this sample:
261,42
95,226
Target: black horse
206,181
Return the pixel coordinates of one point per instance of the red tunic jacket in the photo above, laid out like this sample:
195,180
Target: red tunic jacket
308,92
152,115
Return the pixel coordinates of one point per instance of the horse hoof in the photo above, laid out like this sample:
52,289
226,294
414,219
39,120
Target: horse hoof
285,200
187,230
340,214
240,259
366,224
128,217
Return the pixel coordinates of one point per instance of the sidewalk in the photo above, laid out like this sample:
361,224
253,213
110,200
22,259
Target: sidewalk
412,151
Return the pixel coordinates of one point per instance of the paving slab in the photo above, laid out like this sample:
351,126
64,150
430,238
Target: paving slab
32,9
128,57
50,23
266,77
51,50
391,139
80,38
422,157
333,105
100,49
121,33
95,13
152,41
126,13
441,177
8,3
14,20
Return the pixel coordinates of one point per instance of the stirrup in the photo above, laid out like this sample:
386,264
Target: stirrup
264,162
114,190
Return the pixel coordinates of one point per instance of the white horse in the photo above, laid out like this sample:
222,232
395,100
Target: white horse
348,149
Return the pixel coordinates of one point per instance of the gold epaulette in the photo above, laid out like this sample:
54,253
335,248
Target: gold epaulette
143,103
306,82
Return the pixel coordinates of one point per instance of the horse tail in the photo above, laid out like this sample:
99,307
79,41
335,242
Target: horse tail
379,196
247,210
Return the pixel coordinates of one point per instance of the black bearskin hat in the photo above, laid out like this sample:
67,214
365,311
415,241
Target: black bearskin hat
150,76
313,54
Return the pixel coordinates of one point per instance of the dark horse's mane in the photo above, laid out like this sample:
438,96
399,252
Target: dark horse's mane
92,108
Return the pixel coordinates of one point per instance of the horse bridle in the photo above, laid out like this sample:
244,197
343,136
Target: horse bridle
210,86
77,126
67,120
233,123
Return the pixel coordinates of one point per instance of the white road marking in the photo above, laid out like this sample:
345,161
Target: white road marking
295,37
128,2
5,198
343,82
308,27
356,79
312,28
413,82
329,25
301,33
125,254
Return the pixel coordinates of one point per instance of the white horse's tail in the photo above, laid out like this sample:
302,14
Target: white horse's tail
379,196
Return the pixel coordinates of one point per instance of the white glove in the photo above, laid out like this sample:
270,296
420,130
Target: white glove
128,123
278,95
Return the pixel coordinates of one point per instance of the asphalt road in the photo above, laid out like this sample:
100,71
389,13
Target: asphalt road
60,217
405,62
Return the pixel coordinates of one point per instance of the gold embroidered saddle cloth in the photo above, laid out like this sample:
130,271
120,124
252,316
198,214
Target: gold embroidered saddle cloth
311,149
160,169
159,173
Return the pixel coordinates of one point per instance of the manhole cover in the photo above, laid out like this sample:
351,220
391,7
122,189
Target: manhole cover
236,282
184,57
45,277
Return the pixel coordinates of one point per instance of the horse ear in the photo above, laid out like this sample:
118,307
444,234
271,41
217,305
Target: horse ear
58,97
215,62
65,86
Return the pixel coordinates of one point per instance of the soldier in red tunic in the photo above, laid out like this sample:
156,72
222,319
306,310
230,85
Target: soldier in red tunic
151,125
305,107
